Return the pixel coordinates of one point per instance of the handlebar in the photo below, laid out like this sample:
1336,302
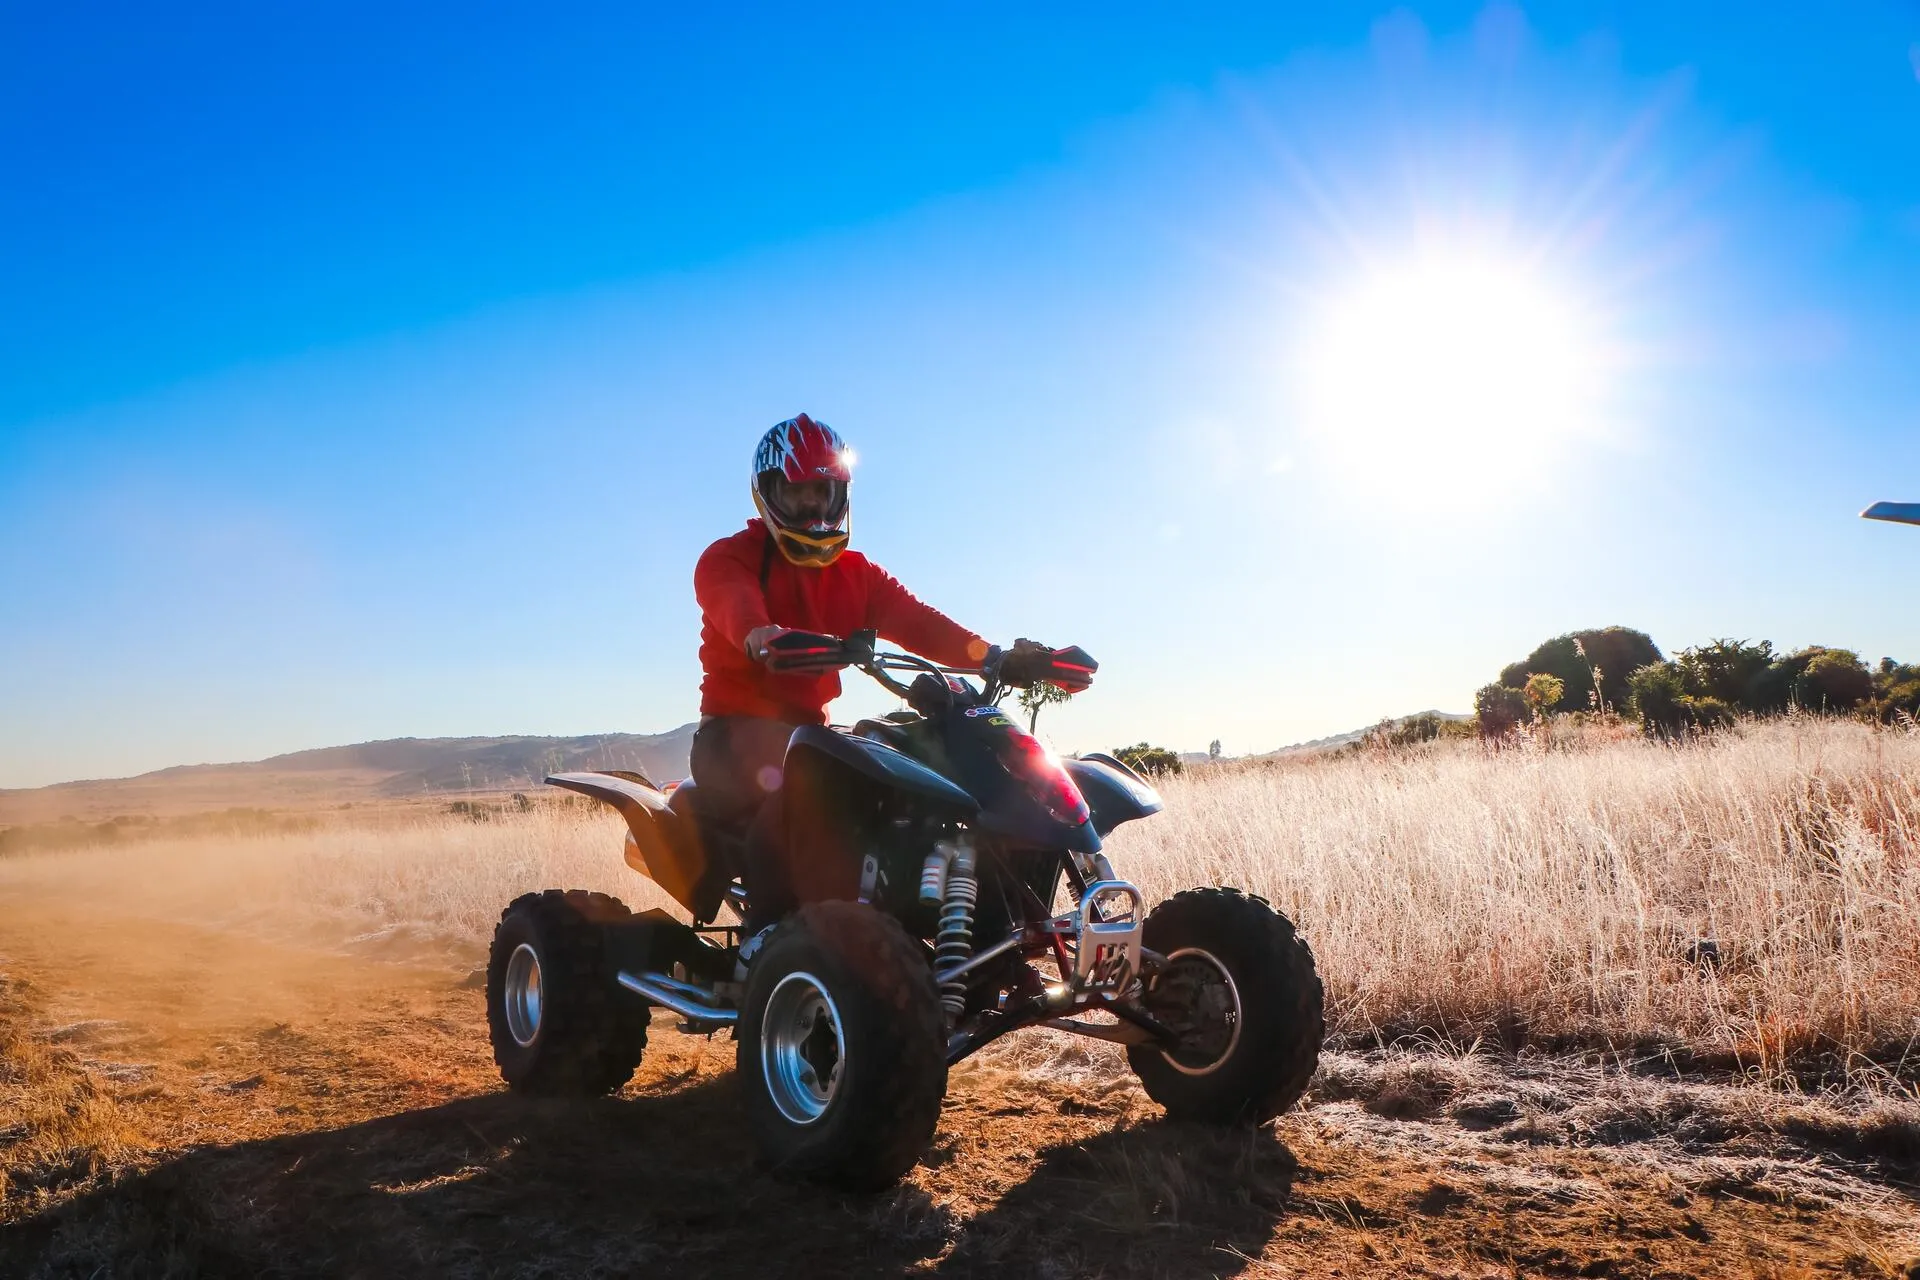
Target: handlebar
861,655
1025,664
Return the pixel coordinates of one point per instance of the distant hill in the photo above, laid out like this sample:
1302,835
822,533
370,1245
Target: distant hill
1332,741
391,769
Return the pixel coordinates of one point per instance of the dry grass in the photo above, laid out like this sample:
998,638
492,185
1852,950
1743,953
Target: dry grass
1528,896
58,1125
1561,895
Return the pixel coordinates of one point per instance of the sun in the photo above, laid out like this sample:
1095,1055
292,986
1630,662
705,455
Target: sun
1426,373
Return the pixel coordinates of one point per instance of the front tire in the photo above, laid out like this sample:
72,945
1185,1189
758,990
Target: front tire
1240,989
842,1049
561,1025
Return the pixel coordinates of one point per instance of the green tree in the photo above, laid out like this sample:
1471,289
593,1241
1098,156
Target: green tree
1725,669
1498,710
1896,690
1834,680
1037,695
1142,758
1817,678
1543,693
1611,652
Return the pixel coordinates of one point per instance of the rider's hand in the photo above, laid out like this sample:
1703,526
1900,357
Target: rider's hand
788,652
1030,662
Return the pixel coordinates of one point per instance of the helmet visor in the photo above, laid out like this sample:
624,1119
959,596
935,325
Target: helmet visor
814,505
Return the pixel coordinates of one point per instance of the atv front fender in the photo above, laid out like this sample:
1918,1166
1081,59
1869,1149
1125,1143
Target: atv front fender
1113,792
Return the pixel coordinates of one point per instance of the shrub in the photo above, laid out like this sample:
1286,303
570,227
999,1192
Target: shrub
1424,727
1543,693
1816,677
1724,669
1408,732
1657,693
1498,710
1143,758
1772,691
1896,691
1659,698
1834,680
1709,713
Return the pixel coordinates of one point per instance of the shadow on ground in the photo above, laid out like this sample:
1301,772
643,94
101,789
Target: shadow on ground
657,1185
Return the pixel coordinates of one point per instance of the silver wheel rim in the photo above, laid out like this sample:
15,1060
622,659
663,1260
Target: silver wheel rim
802,1047
1220,990
521,994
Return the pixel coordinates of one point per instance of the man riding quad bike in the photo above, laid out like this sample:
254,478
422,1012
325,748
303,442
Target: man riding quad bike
906,890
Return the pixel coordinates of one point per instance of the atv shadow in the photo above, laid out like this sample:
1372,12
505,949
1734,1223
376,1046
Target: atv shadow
660,1185
1160,1198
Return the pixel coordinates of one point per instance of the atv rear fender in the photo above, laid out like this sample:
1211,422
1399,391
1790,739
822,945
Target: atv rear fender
661,845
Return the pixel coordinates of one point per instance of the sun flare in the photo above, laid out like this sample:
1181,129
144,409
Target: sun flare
1425,372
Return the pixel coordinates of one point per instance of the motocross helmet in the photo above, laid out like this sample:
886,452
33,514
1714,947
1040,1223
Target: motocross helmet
801,472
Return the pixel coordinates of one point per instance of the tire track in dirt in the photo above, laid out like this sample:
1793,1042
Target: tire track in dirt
251,1108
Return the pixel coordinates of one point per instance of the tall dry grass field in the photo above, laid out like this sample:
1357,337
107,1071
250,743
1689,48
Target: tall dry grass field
1565,893
1449,892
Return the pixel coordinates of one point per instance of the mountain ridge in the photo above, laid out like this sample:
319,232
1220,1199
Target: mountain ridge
385,768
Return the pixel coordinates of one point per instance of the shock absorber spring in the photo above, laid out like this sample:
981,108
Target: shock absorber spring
933,875
953,946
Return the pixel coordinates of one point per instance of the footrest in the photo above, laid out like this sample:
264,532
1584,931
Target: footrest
1111,916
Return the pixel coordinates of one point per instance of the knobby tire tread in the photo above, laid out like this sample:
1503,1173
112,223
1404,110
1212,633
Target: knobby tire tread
883,1130
592,1036
1280,1068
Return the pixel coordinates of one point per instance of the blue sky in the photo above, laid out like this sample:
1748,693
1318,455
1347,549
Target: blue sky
367,374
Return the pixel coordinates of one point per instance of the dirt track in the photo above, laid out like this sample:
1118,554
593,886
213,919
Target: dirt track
196,1103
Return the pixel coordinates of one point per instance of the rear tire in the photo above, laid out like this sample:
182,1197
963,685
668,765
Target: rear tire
1241,988
560,1023
842,1049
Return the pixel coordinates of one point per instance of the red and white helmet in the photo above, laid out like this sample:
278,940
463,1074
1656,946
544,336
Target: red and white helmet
795,452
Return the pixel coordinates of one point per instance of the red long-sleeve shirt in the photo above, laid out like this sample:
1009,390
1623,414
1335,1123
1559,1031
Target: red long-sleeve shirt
851,594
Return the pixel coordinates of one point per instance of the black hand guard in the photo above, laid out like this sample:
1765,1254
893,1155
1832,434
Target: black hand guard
804,653
1028,663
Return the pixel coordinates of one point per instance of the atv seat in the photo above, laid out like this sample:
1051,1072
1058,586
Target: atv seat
688,805
685,798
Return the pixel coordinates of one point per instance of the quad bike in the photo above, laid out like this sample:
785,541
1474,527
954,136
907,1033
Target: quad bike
940,839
